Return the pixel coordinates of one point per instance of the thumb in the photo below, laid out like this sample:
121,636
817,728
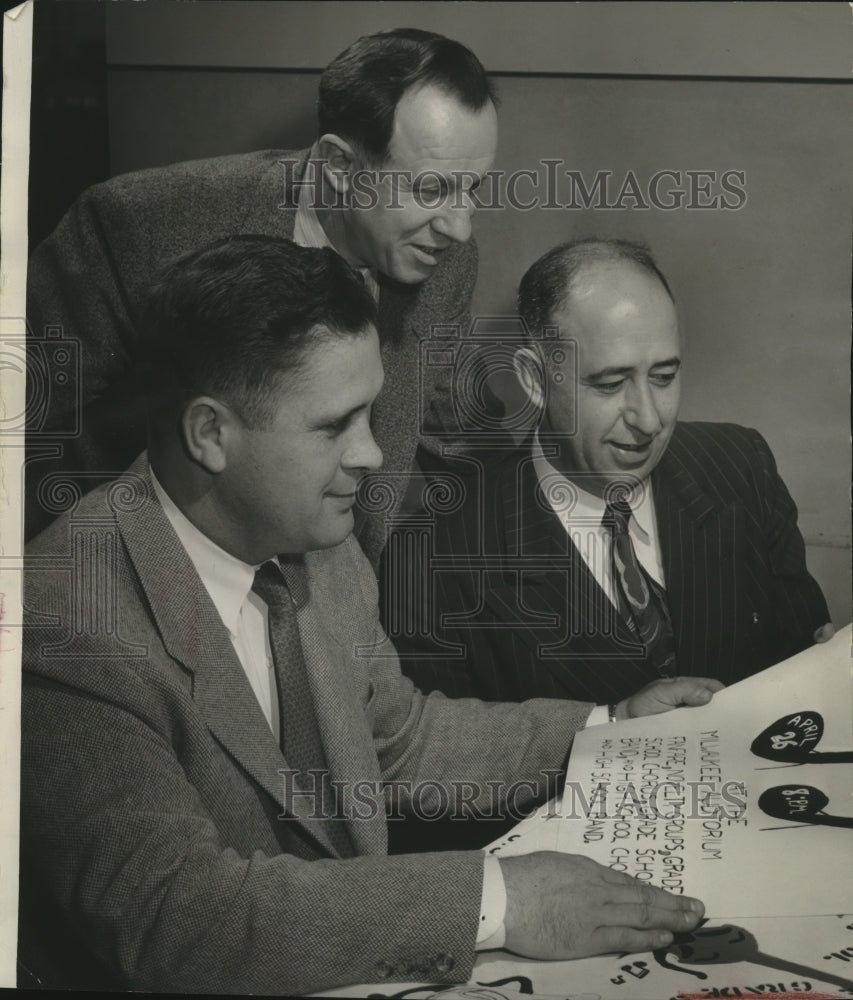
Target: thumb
824,633
695,691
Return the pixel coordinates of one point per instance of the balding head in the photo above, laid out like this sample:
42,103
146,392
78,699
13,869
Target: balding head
553,278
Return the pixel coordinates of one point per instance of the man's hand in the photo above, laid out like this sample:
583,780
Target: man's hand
667,693
824,633
569,906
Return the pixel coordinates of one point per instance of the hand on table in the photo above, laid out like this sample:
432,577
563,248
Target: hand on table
563,906
668,693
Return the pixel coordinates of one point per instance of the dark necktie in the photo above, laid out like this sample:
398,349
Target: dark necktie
300,734
641,601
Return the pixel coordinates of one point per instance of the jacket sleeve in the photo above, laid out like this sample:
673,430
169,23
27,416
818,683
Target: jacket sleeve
75,283
160,855
504,754
122,843
82,330
799,607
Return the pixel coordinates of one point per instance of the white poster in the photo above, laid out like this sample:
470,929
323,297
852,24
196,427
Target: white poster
745,803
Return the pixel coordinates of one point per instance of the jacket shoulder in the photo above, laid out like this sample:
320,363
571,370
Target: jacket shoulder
697,442
727,460
160,212
212,171
715,434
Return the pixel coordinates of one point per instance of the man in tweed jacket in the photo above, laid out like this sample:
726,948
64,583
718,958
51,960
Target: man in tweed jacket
164,843
411,103
517,585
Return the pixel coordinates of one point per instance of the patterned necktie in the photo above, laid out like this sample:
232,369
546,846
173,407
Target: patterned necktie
642,602
300,734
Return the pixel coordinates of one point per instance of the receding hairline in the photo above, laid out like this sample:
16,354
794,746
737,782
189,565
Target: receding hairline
560,317
548,285
410,92
358,105
588,270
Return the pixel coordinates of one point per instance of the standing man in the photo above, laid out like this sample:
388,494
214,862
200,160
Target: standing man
407,127
616,544
213,721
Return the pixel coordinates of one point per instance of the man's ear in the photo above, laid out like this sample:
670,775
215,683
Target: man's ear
207,426
339,160
529,371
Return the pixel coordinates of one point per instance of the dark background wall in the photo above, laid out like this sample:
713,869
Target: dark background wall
69,128
761,88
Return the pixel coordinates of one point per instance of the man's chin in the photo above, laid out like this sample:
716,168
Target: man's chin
410,276
629,477
408,269
338,533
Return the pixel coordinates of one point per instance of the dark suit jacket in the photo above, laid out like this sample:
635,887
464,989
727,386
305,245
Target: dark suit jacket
494,600
158,848
86,284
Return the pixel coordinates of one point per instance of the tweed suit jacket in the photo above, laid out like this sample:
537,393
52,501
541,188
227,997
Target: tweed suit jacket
511,610
160,848
88,280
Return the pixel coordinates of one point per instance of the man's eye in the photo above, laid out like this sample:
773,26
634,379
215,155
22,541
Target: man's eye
431,193
663,378
336,428
610,387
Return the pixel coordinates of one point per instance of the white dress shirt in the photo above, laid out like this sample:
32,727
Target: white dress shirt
581,514
229,581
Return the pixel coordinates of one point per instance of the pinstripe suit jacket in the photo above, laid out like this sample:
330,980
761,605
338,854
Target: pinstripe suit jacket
89,279
511,610
159,848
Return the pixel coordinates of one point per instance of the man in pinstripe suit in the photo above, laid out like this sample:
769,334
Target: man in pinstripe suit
713,528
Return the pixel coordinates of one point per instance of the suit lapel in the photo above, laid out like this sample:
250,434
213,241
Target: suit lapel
194,635
560,594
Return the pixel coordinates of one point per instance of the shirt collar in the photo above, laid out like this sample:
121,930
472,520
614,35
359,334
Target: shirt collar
587,506
226,578
308,232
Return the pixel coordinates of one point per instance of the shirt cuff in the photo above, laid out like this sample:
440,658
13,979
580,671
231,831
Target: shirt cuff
491,933
598,716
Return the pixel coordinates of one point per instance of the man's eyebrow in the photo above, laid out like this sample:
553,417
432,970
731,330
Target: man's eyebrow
452,178
609,372
674,362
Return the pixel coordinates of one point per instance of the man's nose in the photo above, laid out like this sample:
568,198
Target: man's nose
453,220
641,412
363,452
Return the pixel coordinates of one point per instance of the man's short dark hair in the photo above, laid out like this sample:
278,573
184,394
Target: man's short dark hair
548,283
230,319
360,89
